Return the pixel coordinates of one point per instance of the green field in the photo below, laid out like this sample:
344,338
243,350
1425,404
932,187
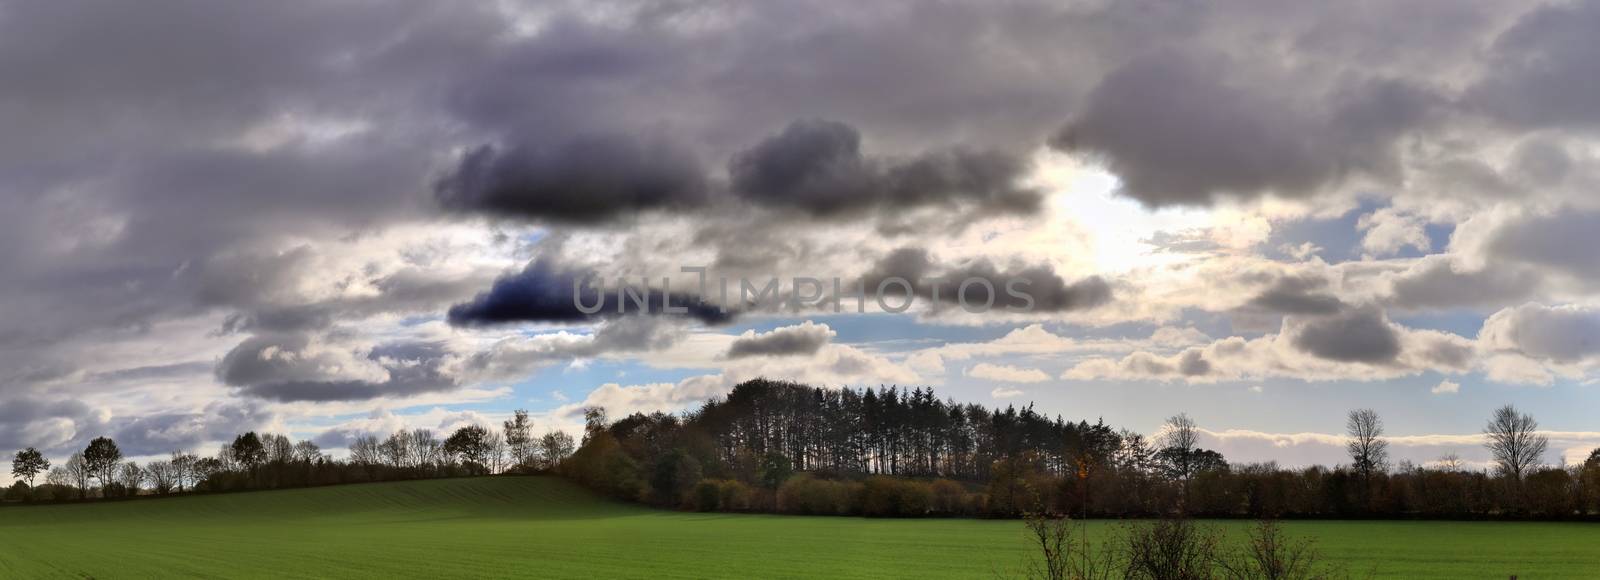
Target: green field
546,527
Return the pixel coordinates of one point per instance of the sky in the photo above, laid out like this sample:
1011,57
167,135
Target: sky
331,219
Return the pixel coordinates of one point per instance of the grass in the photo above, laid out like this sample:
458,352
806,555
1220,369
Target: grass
546,527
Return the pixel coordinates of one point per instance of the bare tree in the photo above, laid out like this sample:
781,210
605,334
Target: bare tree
1180,438
1450,462
424,448
366,450
58,476
396,449
132,477
1369,451
497,454
279,448
1515,442
162,476
183,469
79,474
307,452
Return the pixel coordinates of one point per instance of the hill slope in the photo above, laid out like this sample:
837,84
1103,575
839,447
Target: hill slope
546,527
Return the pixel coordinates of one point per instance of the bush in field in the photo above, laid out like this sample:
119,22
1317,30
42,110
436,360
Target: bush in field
707,496
736,496
887,496
806,494
1063,552
949,497
1270,554
1169,549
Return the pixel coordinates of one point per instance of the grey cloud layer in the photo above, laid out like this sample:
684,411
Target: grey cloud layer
814,167
170,161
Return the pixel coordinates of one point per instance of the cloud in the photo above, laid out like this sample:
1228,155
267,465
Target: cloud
801,339
1361,345
1007,373
1558,241
586,180
1555,334
546,291
1439,282
620,401
1178,129
1542,69
1005,393
1298,295
817,167
1190,364
1362,335
1387,231
516,357
1044,290
1446,387
298,368
1035,340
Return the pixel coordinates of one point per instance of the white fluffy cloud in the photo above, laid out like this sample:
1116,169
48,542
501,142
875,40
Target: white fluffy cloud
1007,373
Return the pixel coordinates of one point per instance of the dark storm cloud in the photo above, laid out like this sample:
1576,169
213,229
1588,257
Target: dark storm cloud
588,180
545,291
1362,335
1049,291
1178,131
817,167
804,339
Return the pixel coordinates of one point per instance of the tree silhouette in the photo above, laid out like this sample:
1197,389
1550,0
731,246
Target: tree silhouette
248,451
101,458
28,463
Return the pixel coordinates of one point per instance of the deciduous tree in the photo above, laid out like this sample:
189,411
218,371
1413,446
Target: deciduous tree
27,464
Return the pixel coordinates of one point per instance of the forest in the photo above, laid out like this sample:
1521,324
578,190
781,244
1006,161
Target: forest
784,447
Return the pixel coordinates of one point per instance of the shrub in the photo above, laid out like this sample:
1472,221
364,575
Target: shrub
805,494
707,495
735,496
1169,549
887,496
948,497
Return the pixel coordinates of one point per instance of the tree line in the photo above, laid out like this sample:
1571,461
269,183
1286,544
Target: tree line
785,447
271,461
